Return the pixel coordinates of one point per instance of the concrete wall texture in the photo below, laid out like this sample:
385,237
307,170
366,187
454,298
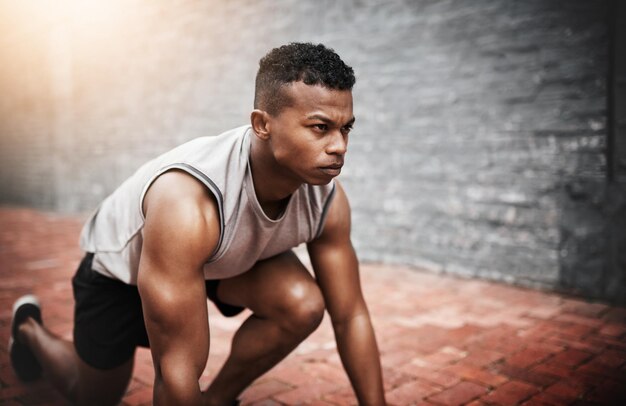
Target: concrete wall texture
480,147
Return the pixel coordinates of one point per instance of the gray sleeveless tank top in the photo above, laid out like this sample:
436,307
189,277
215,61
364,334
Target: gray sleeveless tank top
114,232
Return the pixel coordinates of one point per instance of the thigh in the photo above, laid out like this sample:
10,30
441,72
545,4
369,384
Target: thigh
108,322
271,286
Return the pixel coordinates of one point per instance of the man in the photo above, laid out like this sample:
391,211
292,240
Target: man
218,217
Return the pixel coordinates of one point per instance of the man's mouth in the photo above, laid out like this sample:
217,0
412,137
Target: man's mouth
333,166
332,170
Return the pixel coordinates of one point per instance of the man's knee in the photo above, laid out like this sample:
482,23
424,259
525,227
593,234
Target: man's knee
303,308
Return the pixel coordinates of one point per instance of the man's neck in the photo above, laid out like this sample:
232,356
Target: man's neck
271,185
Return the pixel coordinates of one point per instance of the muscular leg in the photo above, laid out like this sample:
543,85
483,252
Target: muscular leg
79,382
287,306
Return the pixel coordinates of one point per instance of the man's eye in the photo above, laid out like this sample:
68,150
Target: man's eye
346,129
321,127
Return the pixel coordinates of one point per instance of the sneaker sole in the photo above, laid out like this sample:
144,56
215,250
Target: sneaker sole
23,361
35,312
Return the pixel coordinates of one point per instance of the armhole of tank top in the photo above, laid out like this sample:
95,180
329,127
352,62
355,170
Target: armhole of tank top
329,200
202,178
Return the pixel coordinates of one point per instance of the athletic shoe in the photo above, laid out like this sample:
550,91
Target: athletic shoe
23,361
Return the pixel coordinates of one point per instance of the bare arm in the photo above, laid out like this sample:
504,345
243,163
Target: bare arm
337,270
181,231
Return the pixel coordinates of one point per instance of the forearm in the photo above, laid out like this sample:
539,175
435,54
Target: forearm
359,354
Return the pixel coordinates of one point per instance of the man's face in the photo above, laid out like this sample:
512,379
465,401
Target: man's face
309,138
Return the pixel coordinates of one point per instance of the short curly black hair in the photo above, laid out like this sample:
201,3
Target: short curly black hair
306,62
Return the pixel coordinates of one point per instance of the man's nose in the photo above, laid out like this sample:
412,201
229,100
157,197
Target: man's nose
338,144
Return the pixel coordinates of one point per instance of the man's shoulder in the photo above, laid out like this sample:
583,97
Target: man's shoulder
203,162
176,191
336,215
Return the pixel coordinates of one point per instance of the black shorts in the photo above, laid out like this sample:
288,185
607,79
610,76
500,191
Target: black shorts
108,318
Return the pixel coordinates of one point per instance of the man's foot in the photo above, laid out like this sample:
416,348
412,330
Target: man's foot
23,360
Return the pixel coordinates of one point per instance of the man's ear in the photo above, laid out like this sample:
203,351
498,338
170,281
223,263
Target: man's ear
260,121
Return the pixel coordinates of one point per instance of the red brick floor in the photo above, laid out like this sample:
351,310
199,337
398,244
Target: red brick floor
444,341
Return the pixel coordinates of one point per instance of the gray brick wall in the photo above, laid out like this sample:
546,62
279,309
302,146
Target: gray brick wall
479,147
